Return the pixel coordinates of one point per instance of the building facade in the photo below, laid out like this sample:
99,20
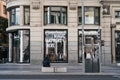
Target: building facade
3,11
38,28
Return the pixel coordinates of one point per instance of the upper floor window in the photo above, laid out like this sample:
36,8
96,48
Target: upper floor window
14,16
91,15
26,15
55,15
117,14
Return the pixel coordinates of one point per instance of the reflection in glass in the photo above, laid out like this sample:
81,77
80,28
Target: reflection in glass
14,16
26,15
55,15
17,16
21,46
91,46
117,14
91,15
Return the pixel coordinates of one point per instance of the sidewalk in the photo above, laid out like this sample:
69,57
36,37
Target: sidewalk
28,69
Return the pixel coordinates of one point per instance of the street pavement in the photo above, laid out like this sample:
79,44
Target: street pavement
58,77
29,69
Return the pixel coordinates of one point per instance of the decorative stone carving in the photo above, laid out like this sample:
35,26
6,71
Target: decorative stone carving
36,4
106,9
73,5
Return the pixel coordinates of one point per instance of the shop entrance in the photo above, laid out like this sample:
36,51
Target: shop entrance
91,51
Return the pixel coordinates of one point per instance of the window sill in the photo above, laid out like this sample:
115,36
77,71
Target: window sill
55,25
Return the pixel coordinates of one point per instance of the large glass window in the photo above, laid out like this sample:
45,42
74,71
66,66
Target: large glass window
91,46
117,46
55,15
55,45
15,16
21,46
26,15
91,15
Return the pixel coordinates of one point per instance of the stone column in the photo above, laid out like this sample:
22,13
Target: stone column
21,46
21,15
10,48
64,47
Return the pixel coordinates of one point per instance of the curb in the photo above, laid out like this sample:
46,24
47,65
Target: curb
51,73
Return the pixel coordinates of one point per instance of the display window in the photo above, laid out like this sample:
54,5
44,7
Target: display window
55,45
20,46
91,45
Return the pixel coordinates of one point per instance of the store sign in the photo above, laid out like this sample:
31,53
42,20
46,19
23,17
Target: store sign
55,36
51,45
89,32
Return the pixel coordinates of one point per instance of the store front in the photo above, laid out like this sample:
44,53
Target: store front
20,46
55,45
92,50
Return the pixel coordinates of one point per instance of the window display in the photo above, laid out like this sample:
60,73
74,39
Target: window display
21,46
91,45
56,45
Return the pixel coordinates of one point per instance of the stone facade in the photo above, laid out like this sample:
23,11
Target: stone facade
37,26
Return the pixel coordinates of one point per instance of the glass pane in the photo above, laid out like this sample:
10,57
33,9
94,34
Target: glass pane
89,15
55,15
97,16
26,46
91,47
45,18
20,46
12,16
79,16
56,45
17,21
16,47
117,14
26,15
12,20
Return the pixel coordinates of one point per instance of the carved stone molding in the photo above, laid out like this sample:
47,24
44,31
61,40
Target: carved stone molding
36,4
73,6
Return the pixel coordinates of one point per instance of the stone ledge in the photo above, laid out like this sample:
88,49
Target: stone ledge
60,69
54,69
47,69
